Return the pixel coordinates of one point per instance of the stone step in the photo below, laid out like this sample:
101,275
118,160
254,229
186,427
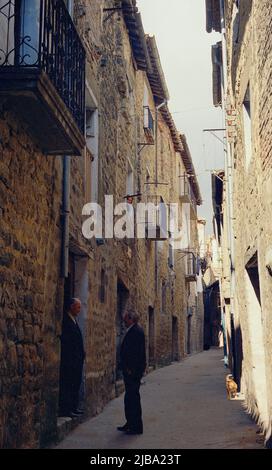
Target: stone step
65,425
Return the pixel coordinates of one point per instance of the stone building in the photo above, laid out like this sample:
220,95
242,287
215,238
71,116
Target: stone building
244,68
84,116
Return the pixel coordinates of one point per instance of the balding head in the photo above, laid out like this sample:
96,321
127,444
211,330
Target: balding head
74,306
130,317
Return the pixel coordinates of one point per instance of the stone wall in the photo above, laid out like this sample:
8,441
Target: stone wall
250,64
29,268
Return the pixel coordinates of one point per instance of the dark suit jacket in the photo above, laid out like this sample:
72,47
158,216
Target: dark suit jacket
132,353
72,348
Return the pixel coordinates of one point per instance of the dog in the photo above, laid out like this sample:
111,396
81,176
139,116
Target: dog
231,387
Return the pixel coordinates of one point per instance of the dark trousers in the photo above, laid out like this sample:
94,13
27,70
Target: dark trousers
133,409
70,381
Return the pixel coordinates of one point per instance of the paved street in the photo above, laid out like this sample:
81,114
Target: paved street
184,407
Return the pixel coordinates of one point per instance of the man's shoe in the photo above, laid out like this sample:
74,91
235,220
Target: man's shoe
131,432
79,412
123,428
74,414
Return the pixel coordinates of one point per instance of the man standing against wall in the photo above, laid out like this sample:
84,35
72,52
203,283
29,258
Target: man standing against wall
133,364
72,358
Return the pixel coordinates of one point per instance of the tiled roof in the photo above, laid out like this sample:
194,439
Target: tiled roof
135,29
181,147
155,73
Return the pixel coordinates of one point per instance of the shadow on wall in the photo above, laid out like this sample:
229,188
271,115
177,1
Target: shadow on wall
237,355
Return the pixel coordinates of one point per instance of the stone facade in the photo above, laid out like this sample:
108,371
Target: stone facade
107,274
247,68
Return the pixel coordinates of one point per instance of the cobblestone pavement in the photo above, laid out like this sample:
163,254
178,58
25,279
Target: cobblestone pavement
184,407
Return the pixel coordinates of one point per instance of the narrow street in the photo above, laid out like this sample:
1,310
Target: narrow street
184,407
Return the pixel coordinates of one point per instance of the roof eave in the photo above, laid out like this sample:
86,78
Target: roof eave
190,169
134,25
155,73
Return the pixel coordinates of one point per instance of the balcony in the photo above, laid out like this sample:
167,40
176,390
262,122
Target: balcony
187,196
148,124
191,268
42,73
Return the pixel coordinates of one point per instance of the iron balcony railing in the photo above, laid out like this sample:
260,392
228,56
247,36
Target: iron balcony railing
41,34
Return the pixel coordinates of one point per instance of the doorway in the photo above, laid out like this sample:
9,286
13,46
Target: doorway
189,327
77,285
175,348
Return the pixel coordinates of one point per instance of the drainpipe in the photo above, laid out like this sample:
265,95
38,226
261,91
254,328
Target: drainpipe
66,165
229,186
65,215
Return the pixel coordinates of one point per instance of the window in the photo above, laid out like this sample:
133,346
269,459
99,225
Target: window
91,155
89,134
247,127
130,179
90,124
148,117
148,120
30,19
103,286
88,175
146,101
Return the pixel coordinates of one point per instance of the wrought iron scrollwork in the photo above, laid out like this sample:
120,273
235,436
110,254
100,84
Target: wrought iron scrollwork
7,19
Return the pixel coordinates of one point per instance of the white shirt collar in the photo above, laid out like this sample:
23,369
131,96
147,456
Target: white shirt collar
129,328
72,318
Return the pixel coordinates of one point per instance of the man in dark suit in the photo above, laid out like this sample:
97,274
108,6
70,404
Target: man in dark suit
133,364
72,358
